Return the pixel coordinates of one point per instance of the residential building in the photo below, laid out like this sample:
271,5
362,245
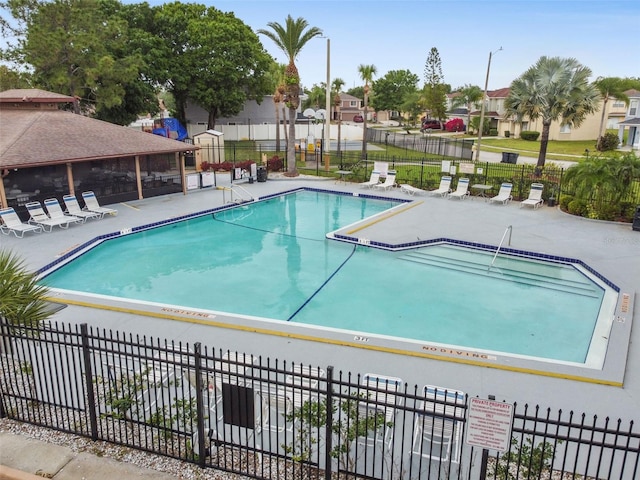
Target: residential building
631,121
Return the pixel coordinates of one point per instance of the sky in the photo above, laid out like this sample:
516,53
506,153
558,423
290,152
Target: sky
603,35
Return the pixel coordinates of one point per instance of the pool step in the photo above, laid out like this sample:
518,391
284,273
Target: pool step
504,269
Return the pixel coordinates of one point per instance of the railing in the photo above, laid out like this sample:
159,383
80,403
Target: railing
272,419
509,231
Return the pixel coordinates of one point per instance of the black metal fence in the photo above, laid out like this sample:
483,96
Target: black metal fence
272,419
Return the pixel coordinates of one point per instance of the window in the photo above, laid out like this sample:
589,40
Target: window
353,103
618,104
565,128
633,108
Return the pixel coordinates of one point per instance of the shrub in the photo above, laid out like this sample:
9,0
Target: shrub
608,142
454,125
275,164
529,135
565,200
577,207
493,132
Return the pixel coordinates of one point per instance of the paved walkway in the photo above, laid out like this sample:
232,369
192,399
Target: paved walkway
610,248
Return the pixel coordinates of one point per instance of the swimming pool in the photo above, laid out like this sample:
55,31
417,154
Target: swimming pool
271,260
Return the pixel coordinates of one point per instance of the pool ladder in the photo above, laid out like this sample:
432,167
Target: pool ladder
237,190
509,230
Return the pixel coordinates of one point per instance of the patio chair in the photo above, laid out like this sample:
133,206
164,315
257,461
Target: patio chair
438,424
410,189
374,179
92,204
73,208
504,195
535,196
381,399
382,167
389,181
39,217
444,188
56,213
462,190
10,222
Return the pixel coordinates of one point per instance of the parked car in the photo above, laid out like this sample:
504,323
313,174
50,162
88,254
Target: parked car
430,124
358,118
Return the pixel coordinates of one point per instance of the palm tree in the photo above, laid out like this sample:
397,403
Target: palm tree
366,74
336,87
278,96
554,89
468,96
611,88
22,300
291,38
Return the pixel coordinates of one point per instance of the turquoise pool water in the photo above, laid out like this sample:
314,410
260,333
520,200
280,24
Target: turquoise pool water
271,259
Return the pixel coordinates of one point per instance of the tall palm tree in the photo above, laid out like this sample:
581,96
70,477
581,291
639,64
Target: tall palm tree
291,38
468,96
22,300
366,74
554,89
278,97
611,88
336,88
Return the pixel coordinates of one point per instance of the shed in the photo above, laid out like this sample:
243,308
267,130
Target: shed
211,143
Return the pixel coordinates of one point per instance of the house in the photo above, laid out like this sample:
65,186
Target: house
47,151
631,121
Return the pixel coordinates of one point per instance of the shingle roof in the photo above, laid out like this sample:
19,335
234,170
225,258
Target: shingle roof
33,95
33,137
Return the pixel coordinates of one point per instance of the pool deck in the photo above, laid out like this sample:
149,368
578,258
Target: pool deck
611,249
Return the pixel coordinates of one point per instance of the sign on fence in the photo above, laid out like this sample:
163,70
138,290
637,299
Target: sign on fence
489,424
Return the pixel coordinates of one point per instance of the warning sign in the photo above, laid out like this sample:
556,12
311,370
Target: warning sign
489,424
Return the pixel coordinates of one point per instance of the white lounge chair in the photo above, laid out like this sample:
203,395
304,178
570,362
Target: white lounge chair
10,222
92,205
438,426
389,181
410,189
40,217
444,188
535,196
374,179
462,190
56,213
382,167
73,208
381,398
504,195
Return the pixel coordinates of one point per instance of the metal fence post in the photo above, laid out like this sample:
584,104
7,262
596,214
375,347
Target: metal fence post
197,358
88,373
328,425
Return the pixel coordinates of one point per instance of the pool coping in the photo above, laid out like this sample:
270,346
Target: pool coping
612,372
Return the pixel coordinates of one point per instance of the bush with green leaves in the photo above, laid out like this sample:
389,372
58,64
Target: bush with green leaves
525,461
529,135
608,142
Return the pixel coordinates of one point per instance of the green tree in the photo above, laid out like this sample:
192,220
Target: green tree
82,49
291,39
22,300
336,88
468,96
554,89
277,71
10,79
366,74
357,92
229,65
435,90
394,90
612,88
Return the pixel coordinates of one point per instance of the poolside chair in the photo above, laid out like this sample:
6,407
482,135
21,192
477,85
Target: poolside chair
462,190
56,212
535,196
444,188
380,399
73,208
389,181
438,424
410,189
382,167
40,217
374,179
504,195
10,222
92,205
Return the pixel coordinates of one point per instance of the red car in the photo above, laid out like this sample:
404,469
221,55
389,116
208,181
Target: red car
430,124
358,118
